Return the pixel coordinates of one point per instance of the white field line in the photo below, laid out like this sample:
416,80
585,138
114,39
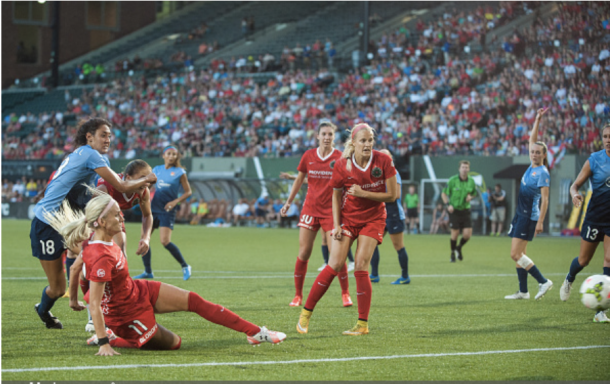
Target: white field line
309,276
344,359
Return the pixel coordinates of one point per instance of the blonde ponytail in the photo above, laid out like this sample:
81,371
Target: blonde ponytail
75,226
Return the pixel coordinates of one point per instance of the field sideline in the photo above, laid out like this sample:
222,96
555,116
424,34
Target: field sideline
450,323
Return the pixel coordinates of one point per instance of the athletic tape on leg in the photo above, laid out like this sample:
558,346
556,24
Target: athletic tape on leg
525,262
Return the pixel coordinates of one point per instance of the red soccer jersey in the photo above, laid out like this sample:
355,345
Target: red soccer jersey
319,172
357,211
105,262
121,198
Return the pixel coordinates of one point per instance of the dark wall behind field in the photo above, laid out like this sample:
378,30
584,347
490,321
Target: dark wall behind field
76,38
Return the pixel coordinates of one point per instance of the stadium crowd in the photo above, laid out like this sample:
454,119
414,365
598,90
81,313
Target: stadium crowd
452,103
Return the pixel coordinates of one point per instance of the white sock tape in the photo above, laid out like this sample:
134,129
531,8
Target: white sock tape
525,262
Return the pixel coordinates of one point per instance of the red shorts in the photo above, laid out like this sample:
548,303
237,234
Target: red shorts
141,325
373,229
314,223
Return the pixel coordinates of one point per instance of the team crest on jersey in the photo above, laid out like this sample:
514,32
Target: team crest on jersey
135,202
534,173
332,164
376,172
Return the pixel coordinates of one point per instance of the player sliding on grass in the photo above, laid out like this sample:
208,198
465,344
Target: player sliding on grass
317,166
529,219
92,139
128,306
363,179
596,226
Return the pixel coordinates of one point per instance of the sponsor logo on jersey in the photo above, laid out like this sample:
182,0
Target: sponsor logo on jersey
101,273
172,173
163,184
148,334
376,172
608,182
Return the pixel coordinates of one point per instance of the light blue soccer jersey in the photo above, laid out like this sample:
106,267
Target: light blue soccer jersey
528,202
167,188
396,208
78,168
598,211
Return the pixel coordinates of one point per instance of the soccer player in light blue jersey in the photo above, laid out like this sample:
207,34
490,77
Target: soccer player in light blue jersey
596,226
532,204
395,225
82,166
171,179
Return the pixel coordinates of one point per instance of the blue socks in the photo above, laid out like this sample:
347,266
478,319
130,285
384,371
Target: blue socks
69,263
403,260
46,303
173,249
325,253
375,262
146,262
350,256
607,271
537,275
575,267
522,275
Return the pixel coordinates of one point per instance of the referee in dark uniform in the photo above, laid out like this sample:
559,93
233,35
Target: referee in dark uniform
460,190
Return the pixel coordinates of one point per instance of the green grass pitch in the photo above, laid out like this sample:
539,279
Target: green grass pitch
450,323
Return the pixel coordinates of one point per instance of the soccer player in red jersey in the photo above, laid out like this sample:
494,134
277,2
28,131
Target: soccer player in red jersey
362,181
134,170
128,306
317,166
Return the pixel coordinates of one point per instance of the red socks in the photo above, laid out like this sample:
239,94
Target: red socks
84,285
300,270
220,315
343,280
364,292
320,286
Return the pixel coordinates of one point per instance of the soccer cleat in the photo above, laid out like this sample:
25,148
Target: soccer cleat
402,280
543,289
565,290
600,317
347,301
66,295
272,337
48,319
374,279
297,301
351,266
361,328
144,275
518,296
303,324
90,327
460,257
186,272
453,256
322,267
93,339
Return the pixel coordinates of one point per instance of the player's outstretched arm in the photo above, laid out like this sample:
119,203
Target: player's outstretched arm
534,135
147,223
73,288
337,197
125,186
584,174
95,296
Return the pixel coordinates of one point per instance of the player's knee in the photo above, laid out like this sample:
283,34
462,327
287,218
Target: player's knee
515,255
165,242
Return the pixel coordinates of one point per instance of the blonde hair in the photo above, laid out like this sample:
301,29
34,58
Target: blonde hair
349,144
545,161
76,226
